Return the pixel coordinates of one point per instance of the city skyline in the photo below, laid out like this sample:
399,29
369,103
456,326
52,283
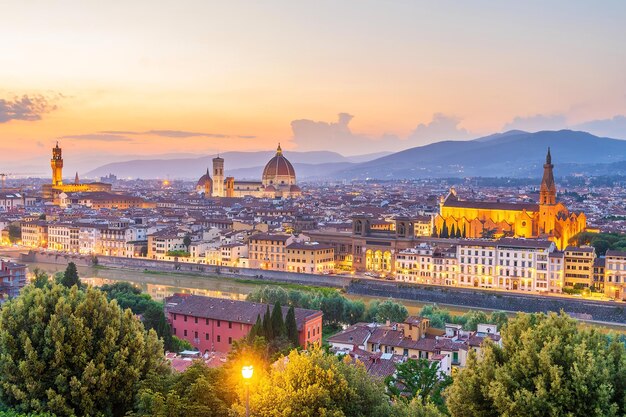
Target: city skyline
118,80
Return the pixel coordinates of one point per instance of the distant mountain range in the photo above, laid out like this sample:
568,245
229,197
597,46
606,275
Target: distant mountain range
244,165
513,154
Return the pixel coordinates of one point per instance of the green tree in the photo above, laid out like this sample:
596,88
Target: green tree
415,408
187,242
71,352
420,379
435,232
257,329
464,233
453,231
387,310
15,232
41,279
268,331
314,384
196,392
444,231
354,311
292,327
546,366
278,323
70,276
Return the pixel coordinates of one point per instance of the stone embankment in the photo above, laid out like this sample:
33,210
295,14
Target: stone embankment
481,299
585,309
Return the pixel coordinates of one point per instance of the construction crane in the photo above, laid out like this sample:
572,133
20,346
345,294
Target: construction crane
3,177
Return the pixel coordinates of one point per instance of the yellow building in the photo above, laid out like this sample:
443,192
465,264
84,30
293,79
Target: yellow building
310,258
548,219
56,187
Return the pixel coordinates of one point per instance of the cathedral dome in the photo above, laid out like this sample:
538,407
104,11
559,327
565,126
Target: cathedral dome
205,183
279,171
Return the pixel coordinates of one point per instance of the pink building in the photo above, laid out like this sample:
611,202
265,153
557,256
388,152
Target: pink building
212,324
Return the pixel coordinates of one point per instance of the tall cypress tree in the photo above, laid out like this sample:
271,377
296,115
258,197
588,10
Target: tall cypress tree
70,277
278,324
435,232
453,231
292,327
444,231
464,234
268,332
256,330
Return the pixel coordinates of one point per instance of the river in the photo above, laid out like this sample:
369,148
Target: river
161,284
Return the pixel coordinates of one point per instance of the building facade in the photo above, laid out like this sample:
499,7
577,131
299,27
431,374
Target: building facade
52,190
547,219
213,324
615,274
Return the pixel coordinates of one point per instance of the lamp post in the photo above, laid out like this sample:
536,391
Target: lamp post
247,372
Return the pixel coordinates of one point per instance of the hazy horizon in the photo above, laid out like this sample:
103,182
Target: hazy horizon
112,80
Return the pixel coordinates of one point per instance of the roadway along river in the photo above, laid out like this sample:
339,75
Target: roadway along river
161,284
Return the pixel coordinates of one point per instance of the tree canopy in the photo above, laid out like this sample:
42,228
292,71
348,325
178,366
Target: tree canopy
419,379
547,366
72,352
387,310
70,276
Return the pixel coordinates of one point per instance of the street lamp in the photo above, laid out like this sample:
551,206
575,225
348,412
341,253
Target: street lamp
247,372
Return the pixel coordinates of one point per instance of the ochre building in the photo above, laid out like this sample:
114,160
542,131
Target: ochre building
547,219
53,190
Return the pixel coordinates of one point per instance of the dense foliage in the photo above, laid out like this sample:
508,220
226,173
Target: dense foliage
70,276
67,351
601,241
72,352
546,367
420,380
439,317
197,392
151,312
316,384
337,309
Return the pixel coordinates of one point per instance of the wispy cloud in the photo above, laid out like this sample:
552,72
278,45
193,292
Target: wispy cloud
28,108
177,134
102,137
537,122
338,136
441,127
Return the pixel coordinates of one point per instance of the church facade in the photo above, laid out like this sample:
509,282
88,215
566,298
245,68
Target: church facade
52,190
278,181
547,219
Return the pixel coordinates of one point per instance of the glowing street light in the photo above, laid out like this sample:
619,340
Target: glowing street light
247,372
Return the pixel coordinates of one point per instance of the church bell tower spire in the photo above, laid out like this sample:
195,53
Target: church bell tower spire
547,192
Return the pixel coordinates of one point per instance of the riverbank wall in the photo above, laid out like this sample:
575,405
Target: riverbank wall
188,268
581,308
613,312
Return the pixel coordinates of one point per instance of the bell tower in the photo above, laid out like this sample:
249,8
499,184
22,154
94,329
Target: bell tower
218,177
547,192
57,165
547,198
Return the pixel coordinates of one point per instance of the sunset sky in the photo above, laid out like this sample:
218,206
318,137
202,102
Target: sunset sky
113,79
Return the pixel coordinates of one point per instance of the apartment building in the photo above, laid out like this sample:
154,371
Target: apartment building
506,264
615,274
310,258
579,266
164,241
269,250
64,237
35,234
